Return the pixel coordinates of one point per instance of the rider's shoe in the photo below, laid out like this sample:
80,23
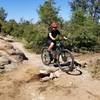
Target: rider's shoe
55,61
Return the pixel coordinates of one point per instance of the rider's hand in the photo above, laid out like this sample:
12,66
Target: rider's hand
65,38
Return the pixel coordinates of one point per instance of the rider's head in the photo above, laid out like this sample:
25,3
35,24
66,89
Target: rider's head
54,25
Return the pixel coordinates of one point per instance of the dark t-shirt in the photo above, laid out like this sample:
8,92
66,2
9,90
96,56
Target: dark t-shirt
54,33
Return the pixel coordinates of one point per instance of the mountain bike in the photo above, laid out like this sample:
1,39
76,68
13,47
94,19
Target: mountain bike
64,57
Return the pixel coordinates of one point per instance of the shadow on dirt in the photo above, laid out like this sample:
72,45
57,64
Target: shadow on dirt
71,70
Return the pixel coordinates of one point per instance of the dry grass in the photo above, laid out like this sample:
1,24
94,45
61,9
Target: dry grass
95,69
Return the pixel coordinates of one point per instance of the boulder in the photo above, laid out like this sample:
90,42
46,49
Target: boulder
9,38
17,54
4,60
20,57
49,73
11,66
10,57
4,45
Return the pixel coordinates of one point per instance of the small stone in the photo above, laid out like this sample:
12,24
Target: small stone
45,79
43,72
57,73
52,75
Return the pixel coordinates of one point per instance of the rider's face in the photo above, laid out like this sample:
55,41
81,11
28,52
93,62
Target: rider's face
54,28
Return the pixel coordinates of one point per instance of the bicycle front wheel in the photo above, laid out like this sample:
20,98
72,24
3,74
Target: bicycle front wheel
66,59
45,56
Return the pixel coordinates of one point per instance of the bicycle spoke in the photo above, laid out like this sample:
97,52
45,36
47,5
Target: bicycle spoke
66,60
45,56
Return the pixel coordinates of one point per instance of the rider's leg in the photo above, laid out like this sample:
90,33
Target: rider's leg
49,50
50,46
53,44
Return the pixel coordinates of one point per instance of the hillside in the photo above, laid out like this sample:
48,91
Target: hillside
22,80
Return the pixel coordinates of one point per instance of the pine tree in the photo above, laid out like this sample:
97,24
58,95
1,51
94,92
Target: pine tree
89,8
48,12
3,14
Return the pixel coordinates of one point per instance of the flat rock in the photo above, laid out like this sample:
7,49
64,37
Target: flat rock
4,60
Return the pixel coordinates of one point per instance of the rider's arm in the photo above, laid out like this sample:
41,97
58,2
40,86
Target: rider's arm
50,35
63,37
68,36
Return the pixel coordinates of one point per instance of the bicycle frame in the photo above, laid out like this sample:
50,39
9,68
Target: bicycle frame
60,53
58,49
59,46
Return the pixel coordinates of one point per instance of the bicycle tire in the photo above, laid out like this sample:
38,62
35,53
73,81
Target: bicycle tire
67,63
45,56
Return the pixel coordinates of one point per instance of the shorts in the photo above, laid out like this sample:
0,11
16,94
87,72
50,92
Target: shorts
49,41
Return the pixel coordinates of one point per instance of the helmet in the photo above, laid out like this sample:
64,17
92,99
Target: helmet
54,25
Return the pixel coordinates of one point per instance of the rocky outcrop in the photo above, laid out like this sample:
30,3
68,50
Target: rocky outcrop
9,56
49,73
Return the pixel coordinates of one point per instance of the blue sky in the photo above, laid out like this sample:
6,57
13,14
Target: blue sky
27,9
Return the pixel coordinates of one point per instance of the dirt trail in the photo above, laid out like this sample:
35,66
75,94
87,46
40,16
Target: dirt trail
33,58
22,83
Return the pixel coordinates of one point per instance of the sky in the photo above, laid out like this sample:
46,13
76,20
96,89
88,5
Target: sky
27,9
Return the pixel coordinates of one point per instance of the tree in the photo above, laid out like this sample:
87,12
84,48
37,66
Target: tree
48,12
94,9
89,8
0,25
79,5
3,14
79,8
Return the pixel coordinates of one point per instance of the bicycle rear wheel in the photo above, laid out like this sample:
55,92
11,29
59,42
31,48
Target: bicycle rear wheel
45,56
66,60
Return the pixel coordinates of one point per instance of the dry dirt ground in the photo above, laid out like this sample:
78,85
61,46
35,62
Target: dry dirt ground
23,83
